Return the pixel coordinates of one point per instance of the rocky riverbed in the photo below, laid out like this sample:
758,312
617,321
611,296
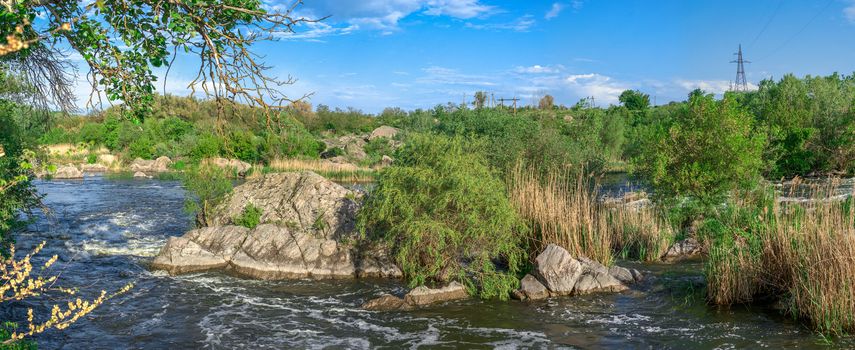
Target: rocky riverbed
107,233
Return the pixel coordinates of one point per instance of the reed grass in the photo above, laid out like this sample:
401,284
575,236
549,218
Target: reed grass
800,254
562,213
333,171
640,232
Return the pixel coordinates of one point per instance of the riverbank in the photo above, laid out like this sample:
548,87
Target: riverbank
106,231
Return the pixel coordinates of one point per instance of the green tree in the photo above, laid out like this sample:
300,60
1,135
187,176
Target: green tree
480,99
708,149
634,100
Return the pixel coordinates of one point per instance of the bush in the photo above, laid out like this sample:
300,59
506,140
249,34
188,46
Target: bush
447,217
250,217
708,150
141,148
207,146
207,186
92,158
242,145
93,133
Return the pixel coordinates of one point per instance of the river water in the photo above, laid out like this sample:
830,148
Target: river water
106,232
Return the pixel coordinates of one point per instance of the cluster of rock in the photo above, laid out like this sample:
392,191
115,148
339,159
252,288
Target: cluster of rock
159,165
418,297
307,230
558,273
683,249
67,171
354,145
240,167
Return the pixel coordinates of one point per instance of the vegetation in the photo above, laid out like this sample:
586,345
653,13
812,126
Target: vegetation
207,186
250,217
798,254
447,217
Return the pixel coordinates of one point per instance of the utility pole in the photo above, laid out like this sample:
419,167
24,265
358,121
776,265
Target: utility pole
741,84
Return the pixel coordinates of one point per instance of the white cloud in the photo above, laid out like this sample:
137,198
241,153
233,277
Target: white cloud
383,15
554,10
463,9
849,12
522,24
538,69
447,76
717,87
604,89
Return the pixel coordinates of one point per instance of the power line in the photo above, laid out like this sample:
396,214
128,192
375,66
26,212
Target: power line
774,13
797,33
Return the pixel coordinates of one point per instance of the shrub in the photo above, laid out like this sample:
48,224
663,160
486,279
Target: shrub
207,146
242,145
447,217
92,158
709,150
93,133
141,148
207,185
250,217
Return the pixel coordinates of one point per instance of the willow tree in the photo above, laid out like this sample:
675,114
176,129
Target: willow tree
123,41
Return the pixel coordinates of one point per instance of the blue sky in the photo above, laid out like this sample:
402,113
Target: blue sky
418,53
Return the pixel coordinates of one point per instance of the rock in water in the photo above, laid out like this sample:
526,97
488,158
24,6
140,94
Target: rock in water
557,270
418,297
93,168
306,231
304,200
159,165
596,278
140,174
68,171
684,249
531,289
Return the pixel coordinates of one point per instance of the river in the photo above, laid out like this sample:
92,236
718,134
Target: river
106,232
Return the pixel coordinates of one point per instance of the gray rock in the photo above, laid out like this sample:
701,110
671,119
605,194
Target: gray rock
106,159
307,226
67,171
596,278
93,168
418,297
385,161
159,165
684,249
140,174
386,302
384,132
236,165
421,296
557,270
625,275
304,200
532,289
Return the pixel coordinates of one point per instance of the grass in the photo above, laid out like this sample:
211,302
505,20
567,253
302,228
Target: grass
562,213
325,168
641,233
800,254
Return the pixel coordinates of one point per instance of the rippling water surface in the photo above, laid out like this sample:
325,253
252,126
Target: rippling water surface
106,232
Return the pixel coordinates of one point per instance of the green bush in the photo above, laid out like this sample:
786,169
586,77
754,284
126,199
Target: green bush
93,133
708,150
250,217
447,217
141,148
92,158
242,145
207,146
207,186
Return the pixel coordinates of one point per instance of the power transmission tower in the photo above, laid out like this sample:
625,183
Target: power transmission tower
741,84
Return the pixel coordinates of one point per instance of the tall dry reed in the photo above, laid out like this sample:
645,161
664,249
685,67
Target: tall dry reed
562,213
335,171
802,254
639,231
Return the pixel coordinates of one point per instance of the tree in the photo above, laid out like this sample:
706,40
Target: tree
634,100
123,41
546,102
480,99
708,149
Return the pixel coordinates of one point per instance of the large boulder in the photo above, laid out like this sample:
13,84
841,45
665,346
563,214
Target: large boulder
93,168
67,171
159,165
384,132
306,230
558,273
303,200
418,297
557,270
